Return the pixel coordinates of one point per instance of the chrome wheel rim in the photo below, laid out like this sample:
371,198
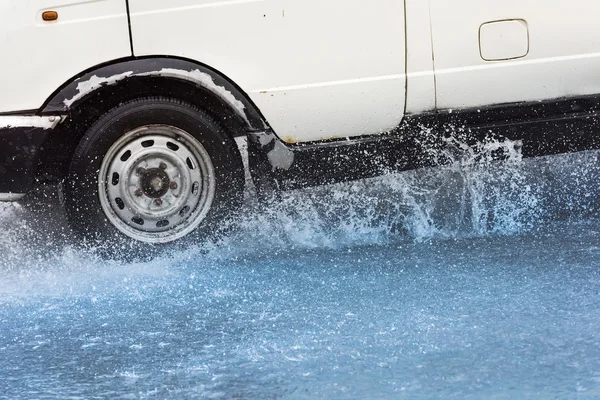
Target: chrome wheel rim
156,184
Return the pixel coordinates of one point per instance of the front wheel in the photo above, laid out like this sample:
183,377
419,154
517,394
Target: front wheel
153,171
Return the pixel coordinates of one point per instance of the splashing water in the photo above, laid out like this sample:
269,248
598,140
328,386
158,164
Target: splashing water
475,279
471,194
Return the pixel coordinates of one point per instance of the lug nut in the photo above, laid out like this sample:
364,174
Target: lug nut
158,202
139,192
162,165
140,171
173,185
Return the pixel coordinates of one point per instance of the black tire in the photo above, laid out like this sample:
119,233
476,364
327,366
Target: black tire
82,198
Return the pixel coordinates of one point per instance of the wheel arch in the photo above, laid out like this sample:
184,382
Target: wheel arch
118,73
85,97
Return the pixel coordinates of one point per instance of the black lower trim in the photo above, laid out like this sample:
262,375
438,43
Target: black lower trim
19,155
548,127
543,128
19,113
299,166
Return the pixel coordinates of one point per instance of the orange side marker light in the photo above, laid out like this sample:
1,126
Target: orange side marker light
49,15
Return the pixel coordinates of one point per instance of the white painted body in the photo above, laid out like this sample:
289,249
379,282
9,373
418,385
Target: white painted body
38,56
318,69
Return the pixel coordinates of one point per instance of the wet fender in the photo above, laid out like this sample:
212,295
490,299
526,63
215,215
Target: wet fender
203,77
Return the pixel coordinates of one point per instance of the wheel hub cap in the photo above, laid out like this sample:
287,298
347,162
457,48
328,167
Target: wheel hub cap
156,184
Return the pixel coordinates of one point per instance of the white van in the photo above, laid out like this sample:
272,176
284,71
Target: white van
135,104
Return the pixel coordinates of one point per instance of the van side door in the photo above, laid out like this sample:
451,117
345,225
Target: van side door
316,69
492,52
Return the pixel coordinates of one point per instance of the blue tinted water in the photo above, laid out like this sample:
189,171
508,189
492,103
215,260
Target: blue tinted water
467,281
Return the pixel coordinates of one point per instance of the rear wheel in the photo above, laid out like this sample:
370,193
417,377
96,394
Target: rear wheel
153,171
